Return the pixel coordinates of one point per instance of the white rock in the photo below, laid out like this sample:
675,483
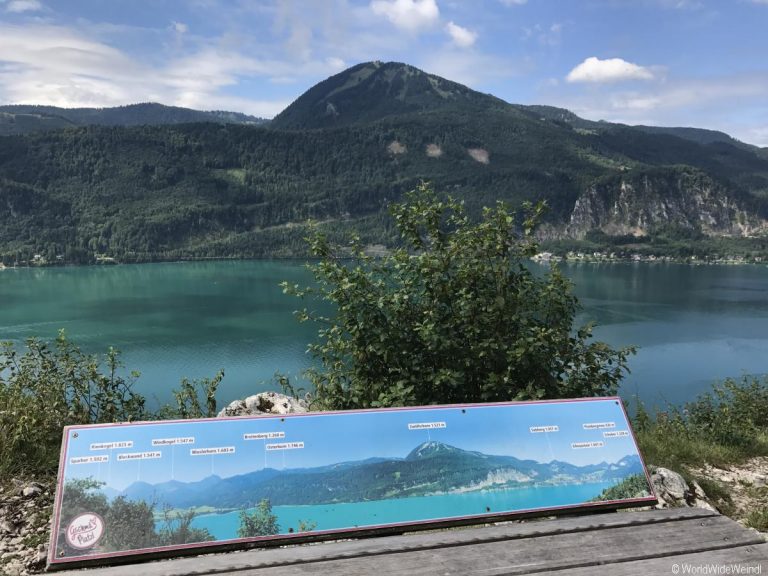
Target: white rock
265,403
669,486
32,490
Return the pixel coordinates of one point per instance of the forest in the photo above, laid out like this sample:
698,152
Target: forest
135,193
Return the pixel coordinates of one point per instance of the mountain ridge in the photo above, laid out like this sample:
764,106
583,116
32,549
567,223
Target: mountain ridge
373,91
25,118
207,189
431,467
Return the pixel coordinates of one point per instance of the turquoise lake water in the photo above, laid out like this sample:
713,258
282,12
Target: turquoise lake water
693,324
378,512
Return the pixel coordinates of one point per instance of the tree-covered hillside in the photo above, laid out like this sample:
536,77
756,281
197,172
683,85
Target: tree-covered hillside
22,119
137,193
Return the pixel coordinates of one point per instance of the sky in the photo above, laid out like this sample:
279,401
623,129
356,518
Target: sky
660,62
330,439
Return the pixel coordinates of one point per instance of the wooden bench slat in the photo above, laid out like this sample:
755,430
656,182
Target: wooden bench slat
747,556
542,553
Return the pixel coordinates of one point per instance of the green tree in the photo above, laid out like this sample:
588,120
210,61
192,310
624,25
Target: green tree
55,385
130,525
177,528
454,315
260,522
80,495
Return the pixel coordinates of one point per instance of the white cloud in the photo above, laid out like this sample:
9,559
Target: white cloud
471,67
513,2
734,104
545,35
758,136
461,36
609,70
23,6
409,15
58,66
336,63
179,27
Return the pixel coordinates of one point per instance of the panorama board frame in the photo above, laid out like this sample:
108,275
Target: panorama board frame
510,456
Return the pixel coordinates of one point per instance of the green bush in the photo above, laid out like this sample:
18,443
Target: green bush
724,426
758,519
260,522
177,528
455,315
129,524
51,385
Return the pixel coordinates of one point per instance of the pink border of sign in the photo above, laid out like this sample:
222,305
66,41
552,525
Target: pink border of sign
207,547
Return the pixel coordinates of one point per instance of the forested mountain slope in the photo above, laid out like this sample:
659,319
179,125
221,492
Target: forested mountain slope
232,190
23,119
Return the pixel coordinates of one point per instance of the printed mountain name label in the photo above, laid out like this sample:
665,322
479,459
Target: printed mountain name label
596,444
139,456
599,425
286,446
112,445
212,451
89,459
426,425
263,435
172,441
540,429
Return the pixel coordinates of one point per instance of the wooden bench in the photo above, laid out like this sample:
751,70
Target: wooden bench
673,541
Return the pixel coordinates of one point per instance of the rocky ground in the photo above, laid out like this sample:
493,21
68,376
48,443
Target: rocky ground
747,488
25,510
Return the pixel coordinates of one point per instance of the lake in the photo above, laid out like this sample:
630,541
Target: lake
416,508
693,324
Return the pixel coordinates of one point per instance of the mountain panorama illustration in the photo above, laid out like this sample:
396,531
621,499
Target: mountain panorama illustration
135,487
430,468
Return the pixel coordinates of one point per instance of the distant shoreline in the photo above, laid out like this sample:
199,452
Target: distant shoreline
540,258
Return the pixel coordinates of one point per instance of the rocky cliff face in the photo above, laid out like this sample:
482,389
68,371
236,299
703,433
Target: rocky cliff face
636,205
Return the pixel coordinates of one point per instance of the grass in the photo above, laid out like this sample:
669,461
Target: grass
758,519
723,427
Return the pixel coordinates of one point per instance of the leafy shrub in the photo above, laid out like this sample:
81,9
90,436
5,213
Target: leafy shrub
51,386
720,427
260,522
758,519
177,528
188,399
129,524
452,316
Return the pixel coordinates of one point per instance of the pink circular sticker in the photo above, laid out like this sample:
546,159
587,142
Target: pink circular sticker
85,530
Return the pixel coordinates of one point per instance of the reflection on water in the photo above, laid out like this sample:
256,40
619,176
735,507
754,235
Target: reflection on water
693,324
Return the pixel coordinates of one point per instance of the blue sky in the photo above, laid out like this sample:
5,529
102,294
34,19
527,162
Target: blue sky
666,62
332,439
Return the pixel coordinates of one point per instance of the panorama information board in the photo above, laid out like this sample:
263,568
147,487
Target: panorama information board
154,487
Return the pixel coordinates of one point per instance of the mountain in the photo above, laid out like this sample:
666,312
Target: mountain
372,91
698,135
347,148
429,468
22,119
